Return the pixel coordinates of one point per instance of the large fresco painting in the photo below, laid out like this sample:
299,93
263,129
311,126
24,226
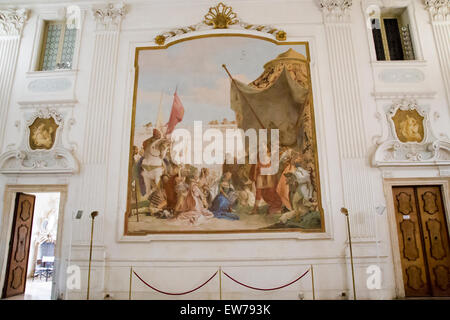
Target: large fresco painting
197,105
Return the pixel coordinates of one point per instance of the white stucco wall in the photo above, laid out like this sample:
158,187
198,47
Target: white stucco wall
341,67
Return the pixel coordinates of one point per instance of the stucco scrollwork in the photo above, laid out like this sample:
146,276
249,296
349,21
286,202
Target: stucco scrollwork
410,140
42,148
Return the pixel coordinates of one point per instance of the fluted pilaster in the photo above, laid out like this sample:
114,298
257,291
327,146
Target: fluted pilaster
99,113
440,21
11,25
357,187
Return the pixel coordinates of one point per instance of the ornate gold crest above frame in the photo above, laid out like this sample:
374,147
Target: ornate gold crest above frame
220,17
42,133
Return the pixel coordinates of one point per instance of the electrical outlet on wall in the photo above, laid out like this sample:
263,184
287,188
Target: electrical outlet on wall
108,296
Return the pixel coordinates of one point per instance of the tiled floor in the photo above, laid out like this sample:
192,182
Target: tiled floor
35,290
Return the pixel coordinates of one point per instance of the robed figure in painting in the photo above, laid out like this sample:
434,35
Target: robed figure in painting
223,202
265,186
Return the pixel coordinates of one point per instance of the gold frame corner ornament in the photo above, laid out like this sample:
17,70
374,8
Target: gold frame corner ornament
220,16
160,40
281,35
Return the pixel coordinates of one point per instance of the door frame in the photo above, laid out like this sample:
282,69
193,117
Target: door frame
8,217
388,183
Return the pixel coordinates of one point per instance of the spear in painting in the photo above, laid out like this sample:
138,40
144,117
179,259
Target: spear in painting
159,119
245,98
136,181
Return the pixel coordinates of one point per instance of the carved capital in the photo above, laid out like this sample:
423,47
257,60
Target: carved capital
12,21
336,10
439,9
110,15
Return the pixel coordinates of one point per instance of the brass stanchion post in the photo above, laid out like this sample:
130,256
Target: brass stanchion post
345,212
220,282
131,279
312,282
93,215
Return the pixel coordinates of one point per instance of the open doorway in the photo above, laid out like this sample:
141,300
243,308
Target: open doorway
30,267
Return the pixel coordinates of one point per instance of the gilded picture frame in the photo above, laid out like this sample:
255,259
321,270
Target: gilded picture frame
132,214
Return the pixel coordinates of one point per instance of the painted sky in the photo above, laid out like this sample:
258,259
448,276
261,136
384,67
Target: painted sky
195,67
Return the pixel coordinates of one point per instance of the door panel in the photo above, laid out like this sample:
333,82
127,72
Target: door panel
436,240
415,276
16,271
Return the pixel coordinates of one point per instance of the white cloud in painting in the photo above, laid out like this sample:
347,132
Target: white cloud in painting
152,98
218,94
195,68
171,61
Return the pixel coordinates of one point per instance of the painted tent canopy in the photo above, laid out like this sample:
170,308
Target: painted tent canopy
189,98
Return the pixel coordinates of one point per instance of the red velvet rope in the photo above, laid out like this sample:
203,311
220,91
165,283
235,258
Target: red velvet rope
175,294
270,289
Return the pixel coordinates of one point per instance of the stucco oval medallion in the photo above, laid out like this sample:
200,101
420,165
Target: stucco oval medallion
409,125
42,133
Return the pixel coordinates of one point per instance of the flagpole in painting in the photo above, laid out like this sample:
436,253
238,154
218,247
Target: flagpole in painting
246,100
159,119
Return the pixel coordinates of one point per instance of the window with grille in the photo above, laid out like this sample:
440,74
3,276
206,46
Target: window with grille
58,46
391,35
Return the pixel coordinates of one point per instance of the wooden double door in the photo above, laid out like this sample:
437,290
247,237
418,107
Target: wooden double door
19,246
423,240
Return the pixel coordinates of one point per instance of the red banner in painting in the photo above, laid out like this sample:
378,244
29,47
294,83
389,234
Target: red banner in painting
176,115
